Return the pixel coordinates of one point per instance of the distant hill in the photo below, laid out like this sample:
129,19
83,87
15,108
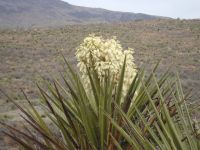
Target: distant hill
27,13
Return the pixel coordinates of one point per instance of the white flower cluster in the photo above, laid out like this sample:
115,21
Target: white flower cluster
104,54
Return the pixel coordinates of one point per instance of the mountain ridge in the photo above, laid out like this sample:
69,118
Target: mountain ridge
39,13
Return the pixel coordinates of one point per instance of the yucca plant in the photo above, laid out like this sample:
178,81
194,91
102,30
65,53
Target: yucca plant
151,114
157,117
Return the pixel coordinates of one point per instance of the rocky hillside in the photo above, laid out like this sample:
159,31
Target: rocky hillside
28,13
28,55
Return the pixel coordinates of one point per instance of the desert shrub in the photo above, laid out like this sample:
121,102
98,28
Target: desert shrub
95,111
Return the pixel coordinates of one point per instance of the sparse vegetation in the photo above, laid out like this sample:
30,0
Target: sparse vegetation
26,53
22,59
153,114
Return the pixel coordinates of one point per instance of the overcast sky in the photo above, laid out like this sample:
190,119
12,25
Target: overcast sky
187,9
